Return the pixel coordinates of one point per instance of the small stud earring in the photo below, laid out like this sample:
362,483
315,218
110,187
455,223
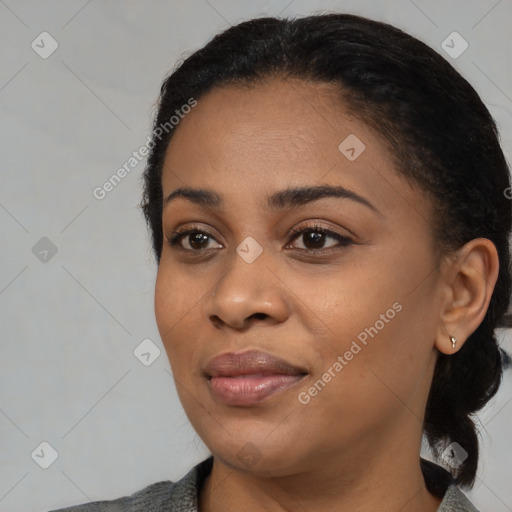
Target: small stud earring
453,339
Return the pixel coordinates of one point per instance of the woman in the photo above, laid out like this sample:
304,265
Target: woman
329,218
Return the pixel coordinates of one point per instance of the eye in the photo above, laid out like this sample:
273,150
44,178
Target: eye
314,237
195,239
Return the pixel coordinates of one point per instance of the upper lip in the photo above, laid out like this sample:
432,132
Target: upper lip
250,362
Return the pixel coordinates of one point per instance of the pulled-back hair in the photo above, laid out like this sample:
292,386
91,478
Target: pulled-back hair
443,140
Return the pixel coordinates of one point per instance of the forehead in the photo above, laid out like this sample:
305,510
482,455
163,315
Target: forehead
263,137
291,114
268,124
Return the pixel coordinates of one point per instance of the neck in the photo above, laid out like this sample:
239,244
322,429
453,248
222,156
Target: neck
386,482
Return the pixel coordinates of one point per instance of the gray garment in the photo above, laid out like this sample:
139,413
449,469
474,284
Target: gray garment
182,496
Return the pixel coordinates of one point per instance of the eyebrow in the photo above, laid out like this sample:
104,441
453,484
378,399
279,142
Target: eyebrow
286,198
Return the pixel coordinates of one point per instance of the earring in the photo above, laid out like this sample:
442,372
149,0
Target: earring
453,339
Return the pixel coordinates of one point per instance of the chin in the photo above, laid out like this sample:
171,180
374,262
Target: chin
261,458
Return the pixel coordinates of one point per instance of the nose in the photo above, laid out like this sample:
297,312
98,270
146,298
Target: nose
247,293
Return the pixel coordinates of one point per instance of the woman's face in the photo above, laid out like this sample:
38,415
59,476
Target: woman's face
353,312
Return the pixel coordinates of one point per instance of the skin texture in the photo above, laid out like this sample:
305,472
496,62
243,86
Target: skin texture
355,445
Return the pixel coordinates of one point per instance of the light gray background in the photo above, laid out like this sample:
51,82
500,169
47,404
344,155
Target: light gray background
69,326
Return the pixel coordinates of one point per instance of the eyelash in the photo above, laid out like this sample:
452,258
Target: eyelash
344,241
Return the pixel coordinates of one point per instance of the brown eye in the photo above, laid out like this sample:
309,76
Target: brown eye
314,238
195,239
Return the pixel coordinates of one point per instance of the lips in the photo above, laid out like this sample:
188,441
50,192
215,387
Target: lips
247,378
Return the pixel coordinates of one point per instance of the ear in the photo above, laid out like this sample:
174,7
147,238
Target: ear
468,283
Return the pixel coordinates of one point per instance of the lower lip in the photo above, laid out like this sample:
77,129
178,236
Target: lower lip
250,390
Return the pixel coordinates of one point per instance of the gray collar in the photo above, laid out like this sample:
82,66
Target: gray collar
185,493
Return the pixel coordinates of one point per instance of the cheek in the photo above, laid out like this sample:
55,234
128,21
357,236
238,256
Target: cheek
176,295
361,385
164,312
174,310
376,315
385,340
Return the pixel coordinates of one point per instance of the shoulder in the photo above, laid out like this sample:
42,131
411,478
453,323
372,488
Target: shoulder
455,500
441,483
157,497
153,497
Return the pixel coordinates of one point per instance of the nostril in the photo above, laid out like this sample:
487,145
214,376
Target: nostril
216,321
259,316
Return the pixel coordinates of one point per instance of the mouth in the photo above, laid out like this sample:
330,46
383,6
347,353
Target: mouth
248,378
